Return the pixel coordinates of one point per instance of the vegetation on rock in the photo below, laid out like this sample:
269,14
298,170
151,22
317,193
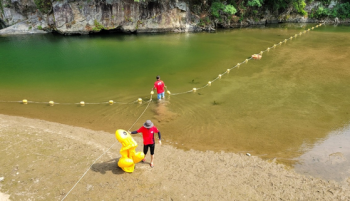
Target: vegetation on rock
44,6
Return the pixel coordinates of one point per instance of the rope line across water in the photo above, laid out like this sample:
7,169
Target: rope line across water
82,103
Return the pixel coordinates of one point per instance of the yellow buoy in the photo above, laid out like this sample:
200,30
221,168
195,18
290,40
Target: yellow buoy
312,28
274,46
238,65
295,35
316,26
280,43
220,76
139,100
82,103
25,101
285,40
261,52
308,29
228,70
111,102
194,89
268,49
209,83
246,60
51,103
152,92
168,92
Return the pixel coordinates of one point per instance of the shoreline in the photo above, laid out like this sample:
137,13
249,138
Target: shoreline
43,160
23,28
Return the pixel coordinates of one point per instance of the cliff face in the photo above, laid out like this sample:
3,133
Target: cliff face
83,17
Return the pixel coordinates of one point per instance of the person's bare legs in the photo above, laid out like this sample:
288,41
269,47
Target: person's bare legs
152,158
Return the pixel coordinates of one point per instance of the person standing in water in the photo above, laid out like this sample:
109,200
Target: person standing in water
159,85
148,130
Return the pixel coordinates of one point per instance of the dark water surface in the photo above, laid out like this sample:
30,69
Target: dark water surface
283,106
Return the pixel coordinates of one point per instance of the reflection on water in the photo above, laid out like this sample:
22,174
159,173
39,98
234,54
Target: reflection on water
329,158
296,94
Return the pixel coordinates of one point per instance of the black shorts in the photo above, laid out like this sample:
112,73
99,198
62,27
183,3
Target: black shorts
151,147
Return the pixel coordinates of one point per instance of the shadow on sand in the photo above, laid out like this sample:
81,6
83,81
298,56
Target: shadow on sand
111,165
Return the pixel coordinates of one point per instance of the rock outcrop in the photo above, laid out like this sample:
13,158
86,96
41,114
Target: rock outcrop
84,17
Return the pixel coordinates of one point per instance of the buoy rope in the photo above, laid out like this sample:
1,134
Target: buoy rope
246,61
174,94
150,100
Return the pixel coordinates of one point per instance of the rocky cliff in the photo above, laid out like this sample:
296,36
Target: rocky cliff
84,17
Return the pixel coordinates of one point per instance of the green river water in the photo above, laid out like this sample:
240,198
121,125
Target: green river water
293,105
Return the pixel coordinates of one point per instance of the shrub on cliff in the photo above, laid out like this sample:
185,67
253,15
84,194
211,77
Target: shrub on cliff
216,7
43,5
341,11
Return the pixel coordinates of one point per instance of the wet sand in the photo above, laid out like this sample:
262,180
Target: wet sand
42,160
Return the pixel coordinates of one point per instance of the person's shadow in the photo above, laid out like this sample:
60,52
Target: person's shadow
111,165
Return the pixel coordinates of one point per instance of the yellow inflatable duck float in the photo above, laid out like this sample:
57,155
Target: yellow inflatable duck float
129,157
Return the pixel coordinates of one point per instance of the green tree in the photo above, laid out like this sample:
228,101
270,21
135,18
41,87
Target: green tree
218,6
299,5
257,3
229,9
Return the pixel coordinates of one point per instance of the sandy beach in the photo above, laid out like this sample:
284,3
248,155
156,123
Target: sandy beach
42,160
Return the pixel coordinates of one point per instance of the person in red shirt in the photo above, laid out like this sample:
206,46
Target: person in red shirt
148,130
159,85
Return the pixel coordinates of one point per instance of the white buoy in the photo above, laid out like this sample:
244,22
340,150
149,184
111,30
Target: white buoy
261,52
220,76
82,103
209,83
25,102
238,65
228,70
152,92
111,102
139,100
194,89
51,103
280,43
268,49
248,154
246,60
274,45
168,92
308,29
291,38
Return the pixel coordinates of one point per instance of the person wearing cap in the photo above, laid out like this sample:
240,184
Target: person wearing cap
148,130
159,85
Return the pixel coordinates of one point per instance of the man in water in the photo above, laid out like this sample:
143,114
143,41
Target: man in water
148,130
159,85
